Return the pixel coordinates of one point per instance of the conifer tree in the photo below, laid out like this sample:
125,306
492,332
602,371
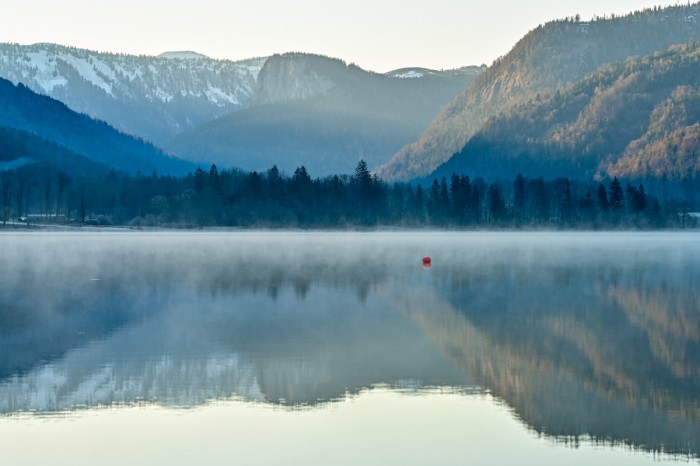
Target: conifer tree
519,197
497,205
617,197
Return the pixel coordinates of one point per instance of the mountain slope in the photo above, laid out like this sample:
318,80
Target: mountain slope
321,113
153,97
552,56
637,119
24,110
25,152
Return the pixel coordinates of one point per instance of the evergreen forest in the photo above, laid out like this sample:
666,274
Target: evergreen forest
273,199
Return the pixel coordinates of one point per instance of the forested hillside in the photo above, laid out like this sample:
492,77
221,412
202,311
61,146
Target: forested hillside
49,119
638,119
25,152
550,57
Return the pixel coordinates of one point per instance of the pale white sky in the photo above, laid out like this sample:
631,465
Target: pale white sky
378,35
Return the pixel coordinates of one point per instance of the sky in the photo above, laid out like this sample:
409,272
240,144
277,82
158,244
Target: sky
378,35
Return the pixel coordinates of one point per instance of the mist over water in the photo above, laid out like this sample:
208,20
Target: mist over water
584,337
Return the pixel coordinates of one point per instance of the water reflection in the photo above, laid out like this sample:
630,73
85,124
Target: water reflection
583,336
600,343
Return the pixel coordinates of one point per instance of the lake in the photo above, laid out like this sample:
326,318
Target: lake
343,348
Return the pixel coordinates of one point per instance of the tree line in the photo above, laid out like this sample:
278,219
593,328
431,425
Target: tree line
272,199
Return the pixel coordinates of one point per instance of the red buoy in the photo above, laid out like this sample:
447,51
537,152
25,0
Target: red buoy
427,260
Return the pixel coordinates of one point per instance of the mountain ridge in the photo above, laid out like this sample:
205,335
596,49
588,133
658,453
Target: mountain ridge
152,97
639,119
549,57
322,113
24,152
51,120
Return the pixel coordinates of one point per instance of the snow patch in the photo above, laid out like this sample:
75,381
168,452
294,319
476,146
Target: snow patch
163,95
255,68
46,74
216,95
67,385
103,68
130,74
409,75
87,71
182,55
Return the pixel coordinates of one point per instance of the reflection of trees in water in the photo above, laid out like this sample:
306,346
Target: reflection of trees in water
606,351
587,343
58,293
218,264
271,276
668,316
309,342
39,323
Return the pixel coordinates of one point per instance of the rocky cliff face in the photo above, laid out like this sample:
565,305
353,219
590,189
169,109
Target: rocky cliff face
321,113
292,77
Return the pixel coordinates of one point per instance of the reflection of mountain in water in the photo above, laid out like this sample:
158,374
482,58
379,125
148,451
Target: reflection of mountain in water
597,338
583,349
40,322
208,322
300,353
59,292
668,316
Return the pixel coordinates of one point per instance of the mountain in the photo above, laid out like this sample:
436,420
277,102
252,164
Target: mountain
153,97
24,110
182,55
550,57
637,119
564,378
23,152
426,73
141,325
324,114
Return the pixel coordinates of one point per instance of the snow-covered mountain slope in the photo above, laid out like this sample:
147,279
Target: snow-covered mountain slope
182,55
153,97
417,73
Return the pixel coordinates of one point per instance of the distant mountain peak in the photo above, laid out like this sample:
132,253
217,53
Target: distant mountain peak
409,73
322,113
418,73
183,55
298,76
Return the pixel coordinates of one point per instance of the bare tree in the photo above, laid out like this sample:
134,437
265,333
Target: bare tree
6,197
62,181
47,198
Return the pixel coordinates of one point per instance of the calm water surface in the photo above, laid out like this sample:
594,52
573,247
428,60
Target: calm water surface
341,348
